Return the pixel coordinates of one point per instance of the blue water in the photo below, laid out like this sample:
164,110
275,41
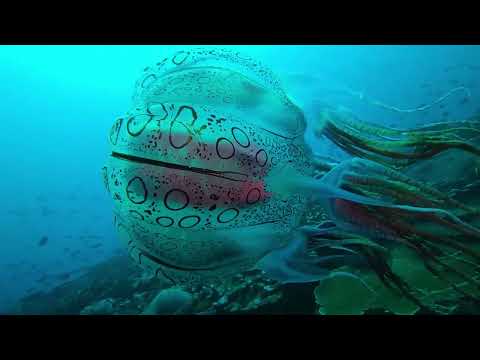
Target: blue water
58,104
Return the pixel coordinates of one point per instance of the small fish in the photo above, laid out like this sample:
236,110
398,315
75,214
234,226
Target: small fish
453,82
46,211
41,198
42,279
464,101
97,245
18,212
43,241
445,113
64,276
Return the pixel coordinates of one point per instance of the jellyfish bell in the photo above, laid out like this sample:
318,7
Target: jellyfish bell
226,80
191,163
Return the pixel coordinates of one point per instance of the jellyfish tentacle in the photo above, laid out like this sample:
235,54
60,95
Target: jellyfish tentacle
381,104
392,179
428,262
292,264
398,148
389,279
401,210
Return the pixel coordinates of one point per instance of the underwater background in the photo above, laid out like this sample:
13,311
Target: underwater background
59,103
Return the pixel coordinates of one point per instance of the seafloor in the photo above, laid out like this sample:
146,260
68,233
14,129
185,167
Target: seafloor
118,286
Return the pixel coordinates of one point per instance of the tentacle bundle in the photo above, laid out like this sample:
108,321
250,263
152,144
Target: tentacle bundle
397,148
410,214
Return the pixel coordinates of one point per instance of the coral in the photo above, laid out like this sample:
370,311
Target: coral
102,307
172,301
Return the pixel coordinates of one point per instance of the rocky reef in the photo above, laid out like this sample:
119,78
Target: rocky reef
119,287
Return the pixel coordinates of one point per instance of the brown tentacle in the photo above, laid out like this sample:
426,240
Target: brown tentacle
407,146
388,277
